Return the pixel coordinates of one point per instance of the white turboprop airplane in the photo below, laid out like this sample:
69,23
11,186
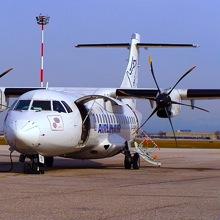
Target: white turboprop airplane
88,123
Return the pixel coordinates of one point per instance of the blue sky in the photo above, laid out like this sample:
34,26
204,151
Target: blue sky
99,21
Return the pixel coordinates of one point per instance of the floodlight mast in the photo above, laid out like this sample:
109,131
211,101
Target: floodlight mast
42,21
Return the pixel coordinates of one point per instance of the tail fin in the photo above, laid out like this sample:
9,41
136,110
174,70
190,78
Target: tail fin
130,79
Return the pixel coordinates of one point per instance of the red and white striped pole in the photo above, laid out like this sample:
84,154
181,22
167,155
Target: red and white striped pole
42,20
42,57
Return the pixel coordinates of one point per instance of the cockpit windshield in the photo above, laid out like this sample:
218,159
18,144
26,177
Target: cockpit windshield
22,105
41,105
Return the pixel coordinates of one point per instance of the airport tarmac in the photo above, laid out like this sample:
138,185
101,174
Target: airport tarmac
185,187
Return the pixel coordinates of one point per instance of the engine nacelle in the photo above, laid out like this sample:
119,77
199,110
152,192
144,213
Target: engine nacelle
176,109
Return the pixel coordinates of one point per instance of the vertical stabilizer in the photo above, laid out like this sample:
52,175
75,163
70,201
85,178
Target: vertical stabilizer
130,79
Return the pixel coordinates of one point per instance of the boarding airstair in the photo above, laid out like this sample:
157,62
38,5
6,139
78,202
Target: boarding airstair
147,149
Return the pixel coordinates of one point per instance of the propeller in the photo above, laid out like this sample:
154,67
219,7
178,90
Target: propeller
164,102
4,73
1,75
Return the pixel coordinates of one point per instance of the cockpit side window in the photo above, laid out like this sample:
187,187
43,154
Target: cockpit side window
41,105
22,105
13,105
67,107
57,106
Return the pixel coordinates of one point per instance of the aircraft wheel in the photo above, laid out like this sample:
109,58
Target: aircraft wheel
26,167
49,161
36,166
136,161
22,158
127,162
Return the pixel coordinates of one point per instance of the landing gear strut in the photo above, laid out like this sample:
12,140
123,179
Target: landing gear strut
36,165
131,161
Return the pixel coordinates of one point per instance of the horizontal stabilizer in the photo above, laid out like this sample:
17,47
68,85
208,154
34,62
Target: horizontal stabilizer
139,45
117,45
149,45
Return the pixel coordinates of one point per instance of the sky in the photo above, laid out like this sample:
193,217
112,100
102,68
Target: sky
112,21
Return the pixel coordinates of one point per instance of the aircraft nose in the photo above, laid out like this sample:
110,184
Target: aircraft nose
22,134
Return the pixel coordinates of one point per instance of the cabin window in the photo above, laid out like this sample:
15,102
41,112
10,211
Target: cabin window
106,119
41,105
123,119
127,120
103,119
57,106
97,118
114,118
133,120
111,120
22,105
100,119
67,107
119,119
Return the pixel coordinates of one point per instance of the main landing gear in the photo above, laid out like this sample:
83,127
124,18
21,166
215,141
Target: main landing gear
131,161
37,163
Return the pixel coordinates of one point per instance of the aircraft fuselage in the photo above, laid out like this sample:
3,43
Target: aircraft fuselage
92,129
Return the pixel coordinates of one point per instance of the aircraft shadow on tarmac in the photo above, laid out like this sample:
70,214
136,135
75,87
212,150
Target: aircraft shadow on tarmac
64,164
59,164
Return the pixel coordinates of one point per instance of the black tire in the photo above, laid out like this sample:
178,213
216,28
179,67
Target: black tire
127,162
22,158
26,168
48,161
136,161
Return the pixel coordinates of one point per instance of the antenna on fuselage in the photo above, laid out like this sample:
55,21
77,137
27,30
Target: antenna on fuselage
47,85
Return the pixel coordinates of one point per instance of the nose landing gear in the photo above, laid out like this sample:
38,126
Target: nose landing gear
35,166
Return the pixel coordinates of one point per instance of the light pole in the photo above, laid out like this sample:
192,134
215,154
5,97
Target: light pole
42,21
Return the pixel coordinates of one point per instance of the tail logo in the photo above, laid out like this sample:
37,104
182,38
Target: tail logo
131,76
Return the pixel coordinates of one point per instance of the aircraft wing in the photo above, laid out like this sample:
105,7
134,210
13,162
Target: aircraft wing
200,94
17,91
185,94
138,93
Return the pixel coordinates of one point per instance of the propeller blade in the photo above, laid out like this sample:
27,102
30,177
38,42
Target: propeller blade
4,73
171,124
154,111
192,106
152,72
185,74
